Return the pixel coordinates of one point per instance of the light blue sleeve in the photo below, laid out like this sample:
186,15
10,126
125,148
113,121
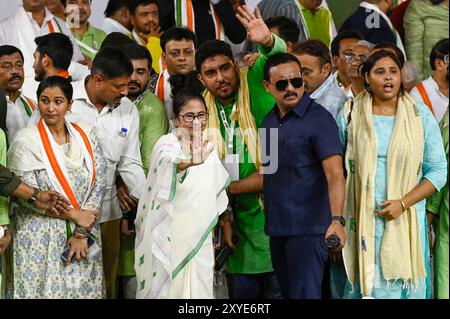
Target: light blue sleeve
434,161
342,125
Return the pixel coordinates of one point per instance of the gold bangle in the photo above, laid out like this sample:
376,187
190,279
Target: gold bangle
403,205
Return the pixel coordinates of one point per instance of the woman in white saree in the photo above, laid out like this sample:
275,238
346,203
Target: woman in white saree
185,195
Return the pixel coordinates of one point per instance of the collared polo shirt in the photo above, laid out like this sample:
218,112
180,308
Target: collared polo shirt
319,23
93,38
296,195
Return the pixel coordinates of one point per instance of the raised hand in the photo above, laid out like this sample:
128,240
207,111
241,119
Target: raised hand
257,30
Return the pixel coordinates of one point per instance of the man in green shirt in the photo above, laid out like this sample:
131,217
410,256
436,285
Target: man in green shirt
153,125
318,20
88,37
250,265
437,208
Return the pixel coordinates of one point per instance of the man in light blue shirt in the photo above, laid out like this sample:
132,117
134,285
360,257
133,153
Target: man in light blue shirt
320,83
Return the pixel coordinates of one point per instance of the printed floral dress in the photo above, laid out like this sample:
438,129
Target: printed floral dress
36,269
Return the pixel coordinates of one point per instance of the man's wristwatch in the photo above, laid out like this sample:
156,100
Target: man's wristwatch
340,219
33,198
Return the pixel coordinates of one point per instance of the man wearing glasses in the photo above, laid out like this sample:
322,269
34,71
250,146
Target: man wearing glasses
434,90
178,46
304,198
355,59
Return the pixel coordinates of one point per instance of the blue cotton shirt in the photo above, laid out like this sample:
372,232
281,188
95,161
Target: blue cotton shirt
296,195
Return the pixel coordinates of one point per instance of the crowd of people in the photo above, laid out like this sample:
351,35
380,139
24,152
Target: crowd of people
200,149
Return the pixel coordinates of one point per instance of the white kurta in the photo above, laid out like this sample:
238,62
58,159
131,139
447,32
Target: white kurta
122,153
16,116
20,30
438,100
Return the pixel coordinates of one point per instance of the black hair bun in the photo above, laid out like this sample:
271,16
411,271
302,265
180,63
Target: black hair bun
186,82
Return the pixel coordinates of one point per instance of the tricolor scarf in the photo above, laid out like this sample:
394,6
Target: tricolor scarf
28,104
56,168
185,17
401,251
164,91
243,115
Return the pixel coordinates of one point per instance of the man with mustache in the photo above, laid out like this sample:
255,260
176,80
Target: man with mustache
237,104
178,45
101,101
304,198
153,125
89,38
319,82
434,90
19,107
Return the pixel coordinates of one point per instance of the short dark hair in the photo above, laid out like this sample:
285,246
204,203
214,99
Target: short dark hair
390,45
210,49
9,49
115,5
346,34
277,59
137,52
289,30
58,47
370,63
112,62
64,2
314,48
439,50
177,34
116,39
133,4
56,81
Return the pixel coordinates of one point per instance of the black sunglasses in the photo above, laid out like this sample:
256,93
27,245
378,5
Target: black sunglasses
281,85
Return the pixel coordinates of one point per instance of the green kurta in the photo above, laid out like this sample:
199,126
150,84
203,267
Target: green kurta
93,38
153,125
438,205
252,255
319,24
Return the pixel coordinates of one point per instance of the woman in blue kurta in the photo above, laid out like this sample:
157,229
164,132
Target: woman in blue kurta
394,160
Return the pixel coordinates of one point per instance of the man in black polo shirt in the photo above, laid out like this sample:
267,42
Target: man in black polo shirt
304,197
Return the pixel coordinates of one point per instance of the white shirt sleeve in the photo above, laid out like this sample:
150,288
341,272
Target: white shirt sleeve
130,163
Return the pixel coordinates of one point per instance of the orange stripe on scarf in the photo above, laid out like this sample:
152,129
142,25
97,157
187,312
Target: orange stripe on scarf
50,27
160,92
190,14
89,148
424,95
55,166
